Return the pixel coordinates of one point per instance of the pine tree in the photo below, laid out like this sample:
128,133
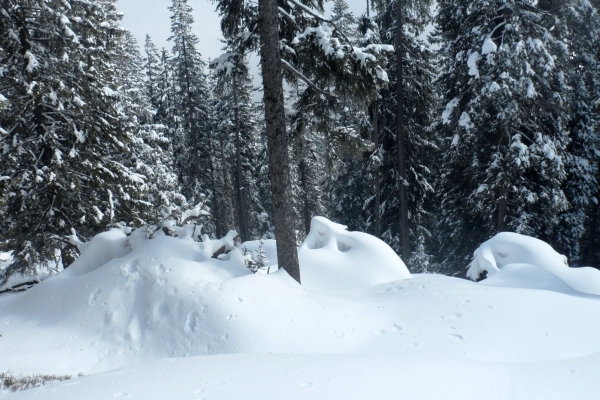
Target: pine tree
576,233
504,125
333,59
191,101
153,70
63,132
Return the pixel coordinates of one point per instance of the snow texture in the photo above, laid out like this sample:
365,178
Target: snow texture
507,248
488,46
334,259
155,318
472,64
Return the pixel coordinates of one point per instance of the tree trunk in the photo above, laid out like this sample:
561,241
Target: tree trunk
213,173
401,137
305,209
227,184
243,218
593,231
502,209
277,138
377,170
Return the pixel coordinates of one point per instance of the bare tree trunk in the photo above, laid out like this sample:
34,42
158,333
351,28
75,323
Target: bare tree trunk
401,136
377,170
593,231
213,174
227,183
502,209
305,209
277,138
243,218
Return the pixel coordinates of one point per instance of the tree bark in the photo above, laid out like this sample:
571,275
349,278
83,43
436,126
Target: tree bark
592,252
227,183
213,173
306,217
243,218
277,138
401,136
502,209
377,170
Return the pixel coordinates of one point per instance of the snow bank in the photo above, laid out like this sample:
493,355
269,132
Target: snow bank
507,248
331,258
326,376
185,325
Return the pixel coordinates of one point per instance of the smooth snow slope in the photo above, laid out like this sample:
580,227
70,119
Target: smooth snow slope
332,377
263,336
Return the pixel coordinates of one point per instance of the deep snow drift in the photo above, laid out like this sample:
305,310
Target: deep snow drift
360,327
511,249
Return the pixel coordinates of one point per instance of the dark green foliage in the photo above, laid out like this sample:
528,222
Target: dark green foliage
65,128
504,123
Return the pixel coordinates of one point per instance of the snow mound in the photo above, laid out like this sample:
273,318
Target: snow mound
101,249
331,259
506,249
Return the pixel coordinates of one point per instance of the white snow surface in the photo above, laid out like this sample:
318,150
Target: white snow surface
334,259
158,318
507,249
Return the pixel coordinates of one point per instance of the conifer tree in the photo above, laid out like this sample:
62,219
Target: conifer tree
63,130
504,123
575,235
191,101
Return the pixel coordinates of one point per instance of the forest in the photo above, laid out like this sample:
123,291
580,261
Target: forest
430,125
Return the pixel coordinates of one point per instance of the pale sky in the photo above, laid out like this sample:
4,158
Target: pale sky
152,17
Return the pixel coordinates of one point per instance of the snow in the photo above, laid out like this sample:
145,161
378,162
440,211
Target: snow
531,92
334,259
494,87
465,121
32,62
225,62
508,248
449,110
155,318
488,46
472,64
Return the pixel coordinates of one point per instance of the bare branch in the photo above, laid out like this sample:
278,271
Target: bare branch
305,79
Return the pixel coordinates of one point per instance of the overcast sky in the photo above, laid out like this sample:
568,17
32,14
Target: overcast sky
152,17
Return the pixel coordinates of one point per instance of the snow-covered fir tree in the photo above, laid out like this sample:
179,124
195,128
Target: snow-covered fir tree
418,72
238,121
504,76
575,236
64,131
191,103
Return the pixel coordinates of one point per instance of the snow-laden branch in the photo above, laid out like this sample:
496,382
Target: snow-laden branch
195,212
290,17
322,18
305,79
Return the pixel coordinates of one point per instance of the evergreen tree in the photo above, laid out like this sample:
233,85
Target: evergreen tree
504,80
418,102
63,132
191,102
581,186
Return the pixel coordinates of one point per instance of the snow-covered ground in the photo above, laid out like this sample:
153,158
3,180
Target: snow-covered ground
158,318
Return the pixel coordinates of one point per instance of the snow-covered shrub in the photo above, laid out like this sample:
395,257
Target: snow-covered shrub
257,260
